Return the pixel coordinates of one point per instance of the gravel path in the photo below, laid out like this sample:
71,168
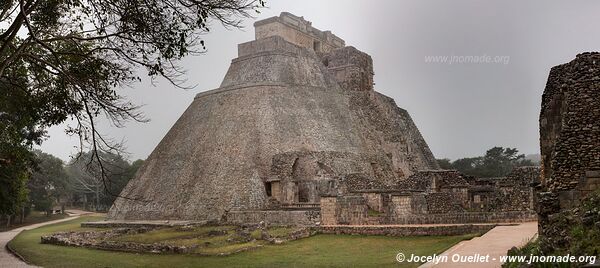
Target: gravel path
7,259
496,243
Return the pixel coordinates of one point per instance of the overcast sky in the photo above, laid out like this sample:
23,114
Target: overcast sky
461,109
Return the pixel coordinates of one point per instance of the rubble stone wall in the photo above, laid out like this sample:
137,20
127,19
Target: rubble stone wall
297,217
569,139
439,197
408,231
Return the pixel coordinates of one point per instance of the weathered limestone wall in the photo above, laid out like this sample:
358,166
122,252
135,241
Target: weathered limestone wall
298,217
434,180
297,31
443,202
439,196
514,192
408,230
352,68
570,140
392,130
466,217
410,209
328,210
406,205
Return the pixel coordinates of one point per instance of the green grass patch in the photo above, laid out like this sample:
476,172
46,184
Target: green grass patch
280,231
256,234
315,251
373,213
229,247
176,234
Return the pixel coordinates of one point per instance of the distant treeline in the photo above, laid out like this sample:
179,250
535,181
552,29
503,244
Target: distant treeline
497,162
81,183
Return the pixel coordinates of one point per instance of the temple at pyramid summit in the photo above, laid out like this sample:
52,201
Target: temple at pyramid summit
296,134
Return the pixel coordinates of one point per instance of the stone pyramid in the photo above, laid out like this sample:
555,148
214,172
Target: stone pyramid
295,118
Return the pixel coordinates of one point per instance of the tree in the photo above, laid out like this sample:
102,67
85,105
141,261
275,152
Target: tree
133,168
87,178
15,157
444,163
467,165
13,191
63,59
48,182
497,162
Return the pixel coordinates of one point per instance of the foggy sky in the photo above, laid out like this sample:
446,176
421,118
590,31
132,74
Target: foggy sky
460,109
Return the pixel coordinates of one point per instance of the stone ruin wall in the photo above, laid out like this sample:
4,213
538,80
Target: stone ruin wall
349,66
513,192
381,117
570,141
438,196
298,31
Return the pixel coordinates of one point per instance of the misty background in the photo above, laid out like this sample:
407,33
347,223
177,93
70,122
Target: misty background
461,109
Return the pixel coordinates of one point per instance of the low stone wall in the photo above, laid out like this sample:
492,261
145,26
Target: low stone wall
415,208
443,202
109,239
408,230
466,217
139,224
98,240
296,217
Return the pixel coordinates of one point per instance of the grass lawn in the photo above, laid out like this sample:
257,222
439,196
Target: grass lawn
316,251
33,218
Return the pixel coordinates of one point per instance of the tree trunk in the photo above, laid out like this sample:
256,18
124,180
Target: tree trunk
8,221
22,214
97,199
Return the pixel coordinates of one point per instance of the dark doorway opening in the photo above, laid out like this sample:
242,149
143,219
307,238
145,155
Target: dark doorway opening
268,188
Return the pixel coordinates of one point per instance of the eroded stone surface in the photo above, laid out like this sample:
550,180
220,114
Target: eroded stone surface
570,145
435,197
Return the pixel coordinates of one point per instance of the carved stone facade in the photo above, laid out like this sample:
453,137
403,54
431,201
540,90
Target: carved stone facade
298,31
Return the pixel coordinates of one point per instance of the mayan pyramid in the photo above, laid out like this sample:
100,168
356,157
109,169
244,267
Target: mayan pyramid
295,118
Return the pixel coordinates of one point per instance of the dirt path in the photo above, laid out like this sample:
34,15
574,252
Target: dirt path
496,243
7,259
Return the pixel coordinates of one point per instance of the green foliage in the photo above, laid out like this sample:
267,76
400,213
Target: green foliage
18,133
586,235
444,163
281,231
62,59
32,218
373,213
48,182
497,162
583,239
13,192
101,181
